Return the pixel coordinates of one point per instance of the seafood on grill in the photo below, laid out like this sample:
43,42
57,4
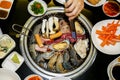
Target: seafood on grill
79,28
61,53
81,47
43,25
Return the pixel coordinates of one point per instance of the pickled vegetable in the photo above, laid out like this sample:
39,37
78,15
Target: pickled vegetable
5,4
15,59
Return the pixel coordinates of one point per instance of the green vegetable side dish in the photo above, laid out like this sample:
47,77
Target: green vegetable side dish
37,8
15,59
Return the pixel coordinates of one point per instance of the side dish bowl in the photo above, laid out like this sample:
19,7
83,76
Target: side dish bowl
5,7
37,7
33,77
111,8
93,3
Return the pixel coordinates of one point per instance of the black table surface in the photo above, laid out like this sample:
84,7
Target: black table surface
19,15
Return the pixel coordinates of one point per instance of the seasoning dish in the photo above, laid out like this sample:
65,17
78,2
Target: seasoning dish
6,45
111,69
118,1
60,78
111,8
6,74
33,77
107,49
5,7
95,3
37,7
13,61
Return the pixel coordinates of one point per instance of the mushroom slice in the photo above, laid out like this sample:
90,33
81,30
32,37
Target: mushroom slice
43,25
47,30
50,24
56,22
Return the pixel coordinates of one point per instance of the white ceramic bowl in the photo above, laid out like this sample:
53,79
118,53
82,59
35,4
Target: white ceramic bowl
118,1
6,74
101,2
115,62
44,5
32,75
110,10
60,78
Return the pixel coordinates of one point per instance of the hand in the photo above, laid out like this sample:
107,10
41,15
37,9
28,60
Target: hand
73,8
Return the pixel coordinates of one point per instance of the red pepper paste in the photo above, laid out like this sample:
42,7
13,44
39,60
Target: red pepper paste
111,8
35,78
5,4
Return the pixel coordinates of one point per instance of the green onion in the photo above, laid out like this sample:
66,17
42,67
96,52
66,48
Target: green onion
37,8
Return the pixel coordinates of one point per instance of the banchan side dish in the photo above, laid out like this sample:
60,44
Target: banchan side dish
6,45
5,7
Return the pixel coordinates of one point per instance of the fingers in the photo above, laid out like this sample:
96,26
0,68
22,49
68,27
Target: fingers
73,12
69,6
68,3
73,8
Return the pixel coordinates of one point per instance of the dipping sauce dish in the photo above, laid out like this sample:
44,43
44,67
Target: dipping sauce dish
113,69
5,7
111,8
33,77
13,61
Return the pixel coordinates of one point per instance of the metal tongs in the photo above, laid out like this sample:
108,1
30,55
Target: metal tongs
72,27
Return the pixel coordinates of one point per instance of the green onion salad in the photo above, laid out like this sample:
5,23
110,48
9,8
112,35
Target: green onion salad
37,8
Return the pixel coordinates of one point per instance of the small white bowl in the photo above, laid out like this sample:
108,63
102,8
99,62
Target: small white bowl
112,13
6,74
118,1
101,2
32,75
44,5
115,62
61,78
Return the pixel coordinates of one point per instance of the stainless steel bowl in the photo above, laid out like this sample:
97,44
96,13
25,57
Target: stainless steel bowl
47,74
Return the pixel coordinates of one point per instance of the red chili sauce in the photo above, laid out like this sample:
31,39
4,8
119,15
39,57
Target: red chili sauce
111,8
35,78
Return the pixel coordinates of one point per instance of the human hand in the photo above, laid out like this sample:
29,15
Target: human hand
73,8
